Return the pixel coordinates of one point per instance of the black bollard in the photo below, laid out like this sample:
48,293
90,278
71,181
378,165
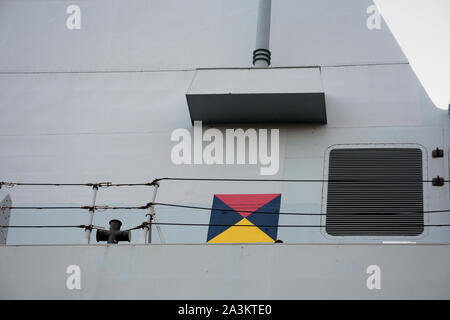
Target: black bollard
114,235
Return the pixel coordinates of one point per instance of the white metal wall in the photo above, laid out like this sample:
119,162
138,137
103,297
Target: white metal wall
308,271
93,105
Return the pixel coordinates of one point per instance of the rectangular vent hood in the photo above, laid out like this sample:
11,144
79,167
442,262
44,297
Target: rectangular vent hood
266,95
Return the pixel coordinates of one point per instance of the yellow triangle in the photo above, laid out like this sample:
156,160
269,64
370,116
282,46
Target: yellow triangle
236,234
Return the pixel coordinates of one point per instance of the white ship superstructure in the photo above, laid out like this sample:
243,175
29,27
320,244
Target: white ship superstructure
99,102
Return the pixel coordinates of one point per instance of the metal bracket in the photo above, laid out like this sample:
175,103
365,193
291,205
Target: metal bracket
438,181
437,153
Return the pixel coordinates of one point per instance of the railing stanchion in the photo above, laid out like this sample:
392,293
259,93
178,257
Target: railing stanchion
150,217
91,215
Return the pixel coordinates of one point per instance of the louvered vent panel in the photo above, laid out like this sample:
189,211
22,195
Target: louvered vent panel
379,191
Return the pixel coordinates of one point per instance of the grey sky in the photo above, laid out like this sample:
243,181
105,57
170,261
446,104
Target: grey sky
422,28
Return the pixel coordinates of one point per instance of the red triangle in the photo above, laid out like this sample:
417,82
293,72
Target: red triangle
246,204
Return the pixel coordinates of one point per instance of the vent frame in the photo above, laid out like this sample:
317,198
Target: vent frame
363,238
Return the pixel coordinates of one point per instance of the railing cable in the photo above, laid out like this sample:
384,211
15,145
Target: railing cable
148,205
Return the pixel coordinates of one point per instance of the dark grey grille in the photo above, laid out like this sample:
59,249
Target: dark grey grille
383,194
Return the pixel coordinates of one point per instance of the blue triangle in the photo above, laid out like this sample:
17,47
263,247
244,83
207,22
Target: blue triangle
218,216
265,219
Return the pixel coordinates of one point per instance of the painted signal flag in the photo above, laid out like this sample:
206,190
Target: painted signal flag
244,218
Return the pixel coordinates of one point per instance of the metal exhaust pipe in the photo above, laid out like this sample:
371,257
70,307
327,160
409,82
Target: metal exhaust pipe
114,235
262,54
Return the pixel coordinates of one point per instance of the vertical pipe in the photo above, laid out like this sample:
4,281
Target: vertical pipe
91,215
150,214
148,228
158,227
261,54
